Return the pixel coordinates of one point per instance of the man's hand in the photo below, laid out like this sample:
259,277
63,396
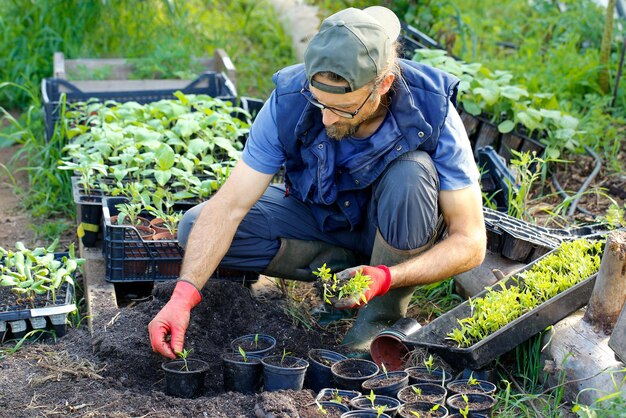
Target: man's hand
173,320
379,285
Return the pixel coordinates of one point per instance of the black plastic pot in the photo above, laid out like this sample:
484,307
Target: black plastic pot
90,219
463,386
421,374
388,384
428,392
262,347
408,410
242,375
352,372
184,383
362,403
318,375
281,373
456,402
470,415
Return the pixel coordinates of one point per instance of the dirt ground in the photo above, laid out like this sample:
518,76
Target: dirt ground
115,374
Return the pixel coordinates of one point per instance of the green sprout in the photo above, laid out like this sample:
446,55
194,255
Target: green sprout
371,397
285,354
429,363
256,341
415,414
380,409
243,354
385,370
417,391
323,410
332,287
336,397
465,411
471,380
183,355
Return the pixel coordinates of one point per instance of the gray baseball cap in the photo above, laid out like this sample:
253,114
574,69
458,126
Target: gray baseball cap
353,43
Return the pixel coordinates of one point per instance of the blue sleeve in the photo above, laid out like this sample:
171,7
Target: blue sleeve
263,151
453,156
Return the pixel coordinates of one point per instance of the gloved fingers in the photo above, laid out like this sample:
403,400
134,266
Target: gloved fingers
158,332
348,273
177,342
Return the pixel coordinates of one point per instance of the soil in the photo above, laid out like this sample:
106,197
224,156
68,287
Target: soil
382,383
421,375
115,374
409,412
475,404
464,387
434,395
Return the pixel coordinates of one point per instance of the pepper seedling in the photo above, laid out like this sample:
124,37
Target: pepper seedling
183,355
243,354
333,288
371,397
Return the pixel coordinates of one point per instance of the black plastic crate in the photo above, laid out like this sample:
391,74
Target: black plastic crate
129,258
412,38
211,83
16,321
497,180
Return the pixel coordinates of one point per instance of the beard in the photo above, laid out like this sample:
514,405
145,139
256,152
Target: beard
339,131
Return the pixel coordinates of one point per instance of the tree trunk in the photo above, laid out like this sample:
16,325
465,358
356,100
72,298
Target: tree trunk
609,292
605,49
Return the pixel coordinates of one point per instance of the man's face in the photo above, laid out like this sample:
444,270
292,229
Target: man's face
338,127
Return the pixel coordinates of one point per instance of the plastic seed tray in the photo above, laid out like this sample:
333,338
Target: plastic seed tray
433,336
16,321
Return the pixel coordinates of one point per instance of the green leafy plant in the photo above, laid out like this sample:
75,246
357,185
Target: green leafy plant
371,397
333,288
428,363
336,397
284,355
416,390
183,355
571,263
380,409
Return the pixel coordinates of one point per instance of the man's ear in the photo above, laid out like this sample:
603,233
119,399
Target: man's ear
385,85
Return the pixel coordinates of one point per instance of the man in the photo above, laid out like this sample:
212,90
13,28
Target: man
377,161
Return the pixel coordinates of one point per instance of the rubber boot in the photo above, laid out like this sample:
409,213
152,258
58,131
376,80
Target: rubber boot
298,259
382,311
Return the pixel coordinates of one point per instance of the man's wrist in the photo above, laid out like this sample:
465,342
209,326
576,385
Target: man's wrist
386,284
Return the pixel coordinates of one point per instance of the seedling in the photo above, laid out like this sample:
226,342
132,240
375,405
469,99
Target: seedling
336,397
334,288
428,363
256,341
385,370
471,380
465,411
417,391
323,410
371,397
243,354
183,355
380,409
285,354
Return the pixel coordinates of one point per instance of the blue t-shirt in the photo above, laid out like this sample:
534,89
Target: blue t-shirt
453,156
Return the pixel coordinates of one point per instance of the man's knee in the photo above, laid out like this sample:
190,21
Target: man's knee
406,196
187,222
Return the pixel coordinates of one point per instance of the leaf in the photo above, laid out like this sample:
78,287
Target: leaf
506,126
472,108
165,157
162,177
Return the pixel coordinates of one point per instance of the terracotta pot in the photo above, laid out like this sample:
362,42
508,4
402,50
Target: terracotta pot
158,225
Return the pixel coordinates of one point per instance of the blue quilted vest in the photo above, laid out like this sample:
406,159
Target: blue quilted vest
339,197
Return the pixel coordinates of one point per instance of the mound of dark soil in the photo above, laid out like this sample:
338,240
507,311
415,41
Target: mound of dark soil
116,374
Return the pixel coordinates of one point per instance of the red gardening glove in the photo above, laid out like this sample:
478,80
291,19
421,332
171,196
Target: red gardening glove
173,320
379,285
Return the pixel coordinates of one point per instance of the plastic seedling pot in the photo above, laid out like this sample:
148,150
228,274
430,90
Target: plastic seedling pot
421,374
388,384
254,344
184,383
333,408
281,373
423,392
479,403
388,347
363,403
364,414
318,375
242,375
337,395
422,409
470,415
464,386
352,372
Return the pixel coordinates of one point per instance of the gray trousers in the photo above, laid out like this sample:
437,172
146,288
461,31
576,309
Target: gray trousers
403,206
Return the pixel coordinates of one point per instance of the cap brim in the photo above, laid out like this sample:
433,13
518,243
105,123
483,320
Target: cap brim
387,19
